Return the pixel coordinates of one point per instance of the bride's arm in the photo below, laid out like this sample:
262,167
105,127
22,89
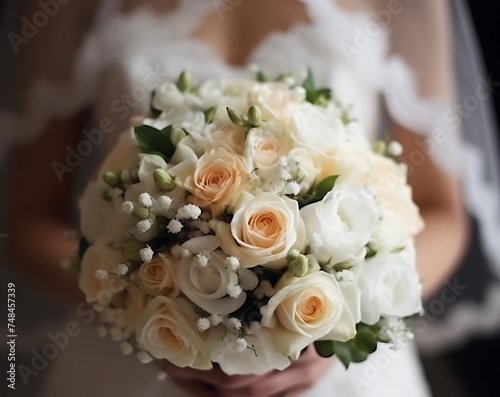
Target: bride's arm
38,212
421,34
39,204
442,242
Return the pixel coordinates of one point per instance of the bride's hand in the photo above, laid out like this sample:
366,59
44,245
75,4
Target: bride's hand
298,377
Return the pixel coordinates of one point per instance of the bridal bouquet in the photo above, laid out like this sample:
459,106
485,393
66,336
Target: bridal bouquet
243,221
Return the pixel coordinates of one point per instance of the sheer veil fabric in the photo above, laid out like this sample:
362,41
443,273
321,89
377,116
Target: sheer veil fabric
386,57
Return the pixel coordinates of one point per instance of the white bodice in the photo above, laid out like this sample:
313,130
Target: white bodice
121,59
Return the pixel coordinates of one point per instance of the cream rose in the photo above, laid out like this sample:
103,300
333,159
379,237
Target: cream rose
259,358
306,309
103,220
262,231
350,162
207,280
390,182
134,303
266,144
341,224
215,180
264,151
167,330
390,286
159,277
387,178
275,100
231,136
100,257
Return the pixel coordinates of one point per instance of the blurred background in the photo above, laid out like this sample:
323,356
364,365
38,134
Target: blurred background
460,371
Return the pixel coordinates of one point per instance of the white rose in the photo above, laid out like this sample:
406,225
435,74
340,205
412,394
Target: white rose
211,284
167,330
100,257
225,93
390,286
307,309
305,171
159,277
317,128
168,96
262,231
341,224
260,357
385,176
275,100
149,163
390,233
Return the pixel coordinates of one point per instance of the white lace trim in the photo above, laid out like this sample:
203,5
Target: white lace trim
483,201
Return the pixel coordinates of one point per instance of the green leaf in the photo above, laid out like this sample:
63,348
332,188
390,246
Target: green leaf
210,114
366,341
325,93
325,186
370,252
153,141
324,348
154,112
355,350
261,77
316,96
319,193
310,87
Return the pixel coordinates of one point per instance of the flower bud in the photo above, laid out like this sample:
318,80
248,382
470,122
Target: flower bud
177,135
210,114
141,214
236,118
185,82
255,116
299,266
379,147
164,181
131,248
111,178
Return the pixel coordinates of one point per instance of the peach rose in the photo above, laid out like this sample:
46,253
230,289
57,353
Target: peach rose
307,309
215,180
262,231
134,303
159,277
100,257
167,330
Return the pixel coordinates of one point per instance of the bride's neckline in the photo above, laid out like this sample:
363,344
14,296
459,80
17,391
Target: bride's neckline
180,23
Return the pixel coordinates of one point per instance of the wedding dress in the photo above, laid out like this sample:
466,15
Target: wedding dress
386,60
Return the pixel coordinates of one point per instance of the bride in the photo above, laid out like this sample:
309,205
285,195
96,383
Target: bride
91,67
